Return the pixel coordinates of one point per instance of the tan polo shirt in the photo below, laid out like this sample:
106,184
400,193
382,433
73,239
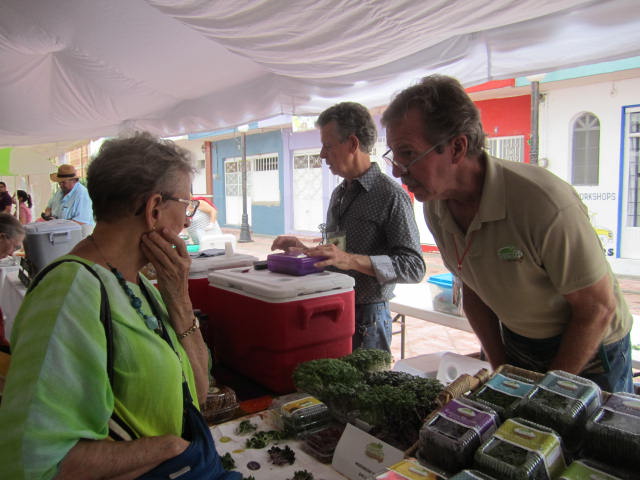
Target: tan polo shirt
530,243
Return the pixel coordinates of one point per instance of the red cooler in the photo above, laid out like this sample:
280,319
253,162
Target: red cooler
200,269
264,324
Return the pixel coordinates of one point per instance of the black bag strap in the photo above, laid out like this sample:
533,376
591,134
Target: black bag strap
105,309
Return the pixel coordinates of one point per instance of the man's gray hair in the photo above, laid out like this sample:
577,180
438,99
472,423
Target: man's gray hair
447,111
127,171
351,119
10,226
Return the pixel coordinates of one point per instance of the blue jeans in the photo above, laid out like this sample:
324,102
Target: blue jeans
610,368
373,326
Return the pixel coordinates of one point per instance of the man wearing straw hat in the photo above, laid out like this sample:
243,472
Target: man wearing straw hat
71,201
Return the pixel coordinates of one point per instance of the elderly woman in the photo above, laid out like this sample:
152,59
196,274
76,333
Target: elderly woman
68,394
11,237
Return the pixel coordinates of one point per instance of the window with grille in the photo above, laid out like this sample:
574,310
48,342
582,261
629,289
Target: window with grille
263,182
507,148
307,160
585,150
633,153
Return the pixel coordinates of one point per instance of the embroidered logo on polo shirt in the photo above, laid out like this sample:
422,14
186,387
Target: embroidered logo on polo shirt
510,253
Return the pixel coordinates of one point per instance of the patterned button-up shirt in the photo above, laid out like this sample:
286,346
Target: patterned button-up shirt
376,215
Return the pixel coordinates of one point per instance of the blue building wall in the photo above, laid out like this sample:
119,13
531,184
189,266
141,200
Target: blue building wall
267,220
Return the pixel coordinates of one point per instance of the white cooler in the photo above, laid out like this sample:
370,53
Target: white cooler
46,241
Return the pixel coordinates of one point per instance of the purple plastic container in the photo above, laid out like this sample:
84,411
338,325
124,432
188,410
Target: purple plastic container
293,264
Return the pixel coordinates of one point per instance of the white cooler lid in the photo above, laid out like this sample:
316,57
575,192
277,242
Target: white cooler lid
278,286
52,226
200,266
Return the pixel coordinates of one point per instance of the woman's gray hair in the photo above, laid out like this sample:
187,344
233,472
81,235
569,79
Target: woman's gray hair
447,111
127,171
351,119
10,226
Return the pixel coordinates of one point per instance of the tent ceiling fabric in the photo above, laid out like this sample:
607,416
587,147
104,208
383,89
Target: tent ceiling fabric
73,69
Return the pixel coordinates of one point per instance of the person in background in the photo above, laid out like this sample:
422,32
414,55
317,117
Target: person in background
370,217
204,222
62,405
71,201
11,237
6,202
24,206
537,288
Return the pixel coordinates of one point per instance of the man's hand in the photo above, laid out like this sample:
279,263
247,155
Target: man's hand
341,259
287,243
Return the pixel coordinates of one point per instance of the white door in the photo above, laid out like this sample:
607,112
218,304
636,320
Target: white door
630,215
307,191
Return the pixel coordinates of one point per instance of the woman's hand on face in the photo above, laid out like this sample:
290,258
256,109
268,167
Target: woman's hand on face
169,257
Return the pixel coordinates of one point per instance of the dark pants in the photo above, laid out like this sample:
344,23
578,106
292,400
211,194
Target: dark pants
610,368
373,326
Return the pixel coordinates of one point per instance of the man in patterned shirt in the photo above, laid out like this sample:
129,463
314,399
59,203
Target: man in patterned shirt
371,229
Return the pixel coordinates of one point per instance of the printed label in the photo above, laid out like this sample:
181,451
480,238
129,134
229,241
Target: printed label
299,404
504,384
624,405
546,444
579,471
410,470
481,422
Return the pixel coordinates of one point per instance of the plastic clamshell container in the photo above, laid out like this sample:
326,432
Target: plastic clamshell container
322,443
46,241
410,469
588,470
451,437
263,324
612,433
293,264
521,450
441,287
563,402
471,475
301,413
221,405
503,392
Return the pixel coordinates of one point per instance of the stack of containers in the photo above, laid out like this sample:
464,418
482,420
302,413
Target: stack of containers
264,323
613,431
450,438
563,402
520,450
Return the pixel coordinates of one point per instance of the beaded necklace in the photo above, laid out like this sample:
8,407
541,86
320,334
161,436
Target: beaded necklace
149,320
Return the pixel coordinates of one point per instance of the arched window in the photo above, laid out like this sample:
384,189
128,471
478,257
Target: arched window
585,161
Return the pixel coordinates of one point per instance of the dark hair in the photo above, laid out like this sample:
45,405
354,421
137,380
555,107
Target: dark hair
10,225
351,119
24,197
3,184
447,111
128,170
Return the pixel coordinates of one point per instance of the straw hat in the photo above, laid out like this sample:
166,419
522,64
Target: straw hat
65,172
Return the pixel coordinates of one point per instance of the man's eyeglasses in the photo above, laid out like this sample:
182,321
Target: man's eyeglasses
403,169
192,205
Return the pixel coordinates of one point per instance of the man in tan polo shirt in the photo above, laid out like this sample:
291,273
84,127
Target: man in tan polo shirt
537,288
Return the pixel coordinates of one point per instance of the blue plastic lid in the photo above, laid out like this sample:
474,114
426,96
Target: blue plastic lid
443,279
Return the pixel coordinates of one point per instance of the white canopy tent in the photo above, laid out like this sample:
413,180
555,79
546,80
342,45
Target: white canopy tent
75,69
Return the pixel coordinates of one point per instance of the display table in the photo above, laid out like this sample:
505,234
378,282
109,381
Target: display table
12,291
227,441
414,300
